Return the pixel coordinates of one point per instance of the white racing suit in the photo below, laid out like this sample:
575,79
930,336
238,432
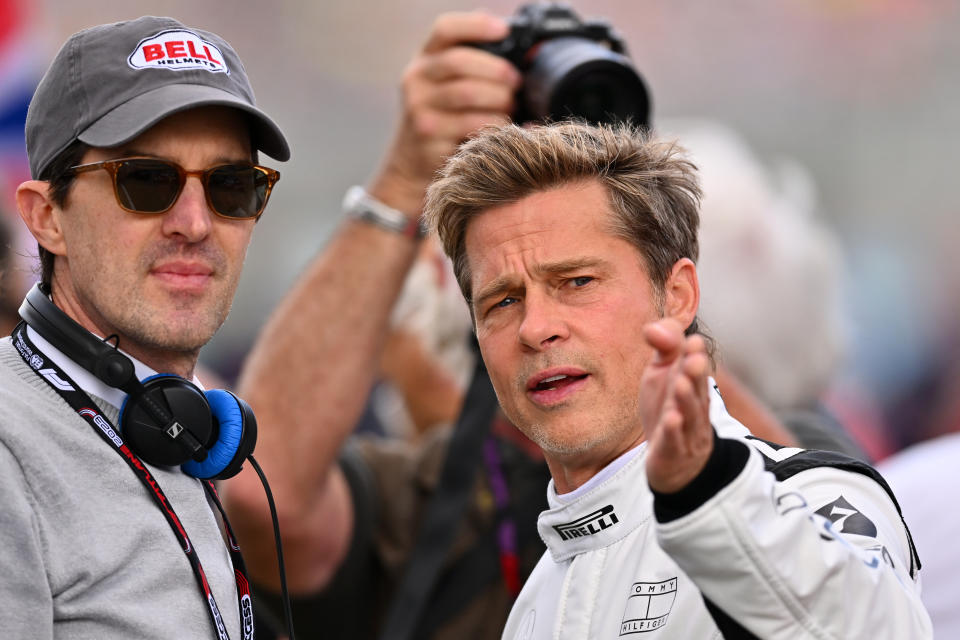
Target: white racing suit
767,542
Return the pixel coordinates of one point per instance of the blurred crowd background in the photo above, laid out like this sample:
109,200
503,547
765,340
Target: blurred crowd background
839,115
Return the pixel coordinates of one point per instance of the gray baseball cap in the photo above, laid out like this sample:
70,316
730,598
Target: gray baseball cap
110,83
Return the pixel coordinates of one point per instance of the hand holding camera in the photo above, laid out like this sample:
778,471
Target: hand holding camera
548,64
449,90
571,68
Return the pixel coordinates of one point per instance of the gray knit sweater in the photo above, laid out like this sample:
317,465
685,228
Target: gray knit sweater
84,551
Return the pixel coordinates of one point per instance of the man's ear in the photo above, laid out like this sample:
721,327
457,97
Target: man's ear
682,292
41,215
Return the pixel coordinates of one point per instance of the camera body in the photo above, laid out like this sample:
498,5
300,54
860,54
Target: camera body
571,68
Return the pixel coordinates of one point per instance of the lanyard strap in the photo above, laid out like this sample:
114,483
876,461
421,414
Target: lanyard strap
87,409
506,526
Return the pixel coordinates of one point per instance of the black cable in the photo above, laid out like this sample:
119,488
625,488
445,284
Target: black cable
276,534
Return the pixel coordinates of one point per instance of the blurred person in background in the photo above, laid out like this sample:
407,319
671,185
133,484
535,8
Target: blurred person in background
350,517
926,479
772,276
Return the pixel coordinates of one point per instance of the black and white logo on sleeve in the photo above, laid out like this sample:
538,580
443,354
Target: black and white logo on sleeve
846,518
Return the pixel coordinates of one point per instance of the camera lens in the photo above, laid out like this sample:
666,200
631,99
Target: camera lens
575,77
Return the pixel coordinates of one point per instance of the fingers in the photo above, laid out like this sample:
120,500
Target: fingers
465,62
461,94
683,365
691,382
668,437
666,338
690,393
457,27
682,437
450,77
460,80
444,130
450,91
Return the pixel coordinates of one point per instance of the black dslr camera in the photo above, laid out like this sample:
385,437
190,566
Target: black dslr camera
572,68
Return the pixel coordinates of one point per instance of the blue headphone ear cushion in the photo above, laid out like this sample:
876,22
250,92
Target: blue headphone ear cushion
228,413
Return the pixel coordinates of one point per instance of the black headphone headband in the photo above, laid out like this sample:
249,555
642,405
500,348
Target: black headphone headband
78,344
96,356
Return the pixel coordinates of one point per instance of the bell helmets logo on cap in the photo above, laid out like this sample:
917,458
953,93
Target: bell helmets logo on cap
177,50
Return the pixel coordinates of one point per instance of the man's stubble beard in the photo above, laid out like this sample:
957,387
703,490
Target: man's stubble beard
574,444
203,317
577,440
186,335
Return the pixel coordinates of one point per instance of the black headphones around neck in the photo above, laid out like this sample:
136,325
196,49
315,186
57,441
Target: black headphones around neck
166,420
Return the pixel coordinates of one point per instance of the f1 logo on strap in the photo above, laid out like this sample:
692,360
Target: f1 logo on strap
55,380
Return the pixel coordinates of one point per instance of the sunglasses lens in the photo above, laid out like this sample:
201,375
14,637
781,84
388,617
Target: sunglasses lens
238,191
147,186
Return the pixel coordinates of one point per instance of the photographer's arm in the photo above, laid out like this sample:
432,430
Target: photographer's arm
311,369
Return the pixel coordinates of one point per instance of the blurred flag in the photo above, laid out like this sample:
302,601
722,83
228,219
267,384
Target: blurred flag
22,61
18,77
